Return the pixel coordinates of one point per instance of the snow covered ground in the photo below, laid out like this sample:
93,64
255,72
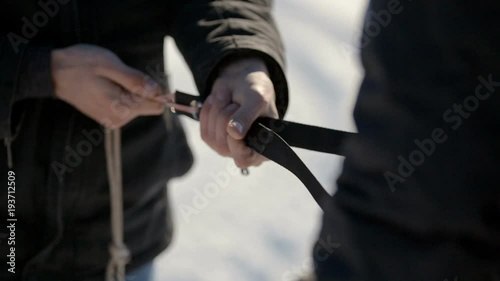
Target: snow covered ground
262,226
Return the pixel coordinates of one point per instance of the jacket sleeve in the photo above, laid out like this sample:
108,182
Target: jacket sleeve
209,33
24,73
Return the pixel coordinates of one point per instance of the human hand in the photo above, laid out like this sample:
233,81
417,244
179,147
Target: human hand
97,83
242,93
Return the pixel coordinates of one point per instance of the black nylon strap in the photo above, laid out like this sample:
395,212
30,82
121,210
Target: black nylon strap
269,144
307,136
185,99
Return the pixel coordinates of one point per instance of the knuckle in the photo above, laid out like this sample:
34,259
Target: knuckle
220,99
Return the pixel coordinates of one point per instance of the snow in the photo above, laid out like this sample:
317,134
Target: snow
262,226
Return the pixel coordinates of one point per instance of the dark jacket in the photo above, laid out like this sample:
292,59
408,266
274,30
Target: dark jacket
62,198
418,197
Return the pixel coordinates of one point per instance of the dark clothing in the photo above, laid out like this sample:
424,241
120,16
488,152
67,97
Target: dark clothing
418,198
62,198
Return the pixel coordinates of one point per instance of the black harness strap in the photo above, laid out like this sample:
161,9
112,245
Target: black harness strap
307,136
274,138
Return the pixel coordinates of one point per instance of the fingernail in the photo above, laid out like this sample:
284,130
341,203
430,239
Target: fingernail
236,125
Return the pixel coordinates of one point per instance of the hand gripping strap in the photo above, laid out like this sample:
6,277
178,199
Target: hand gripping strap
274,138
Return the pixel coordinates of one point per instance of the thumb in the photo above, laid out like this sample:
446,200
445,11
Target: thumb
242,119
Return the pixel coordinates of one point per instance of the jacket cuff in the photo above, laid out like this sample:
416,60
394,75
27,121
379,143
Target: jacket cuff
35,75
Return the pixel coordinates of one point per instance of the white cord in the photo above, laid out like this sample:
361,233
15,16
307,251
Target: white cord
120,254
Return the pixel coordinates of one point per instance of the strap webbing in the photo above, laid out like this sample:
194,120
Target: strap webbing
307,136
275,147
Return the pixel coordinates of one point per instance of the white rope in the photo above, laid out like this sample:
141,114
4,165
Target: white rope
120,254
